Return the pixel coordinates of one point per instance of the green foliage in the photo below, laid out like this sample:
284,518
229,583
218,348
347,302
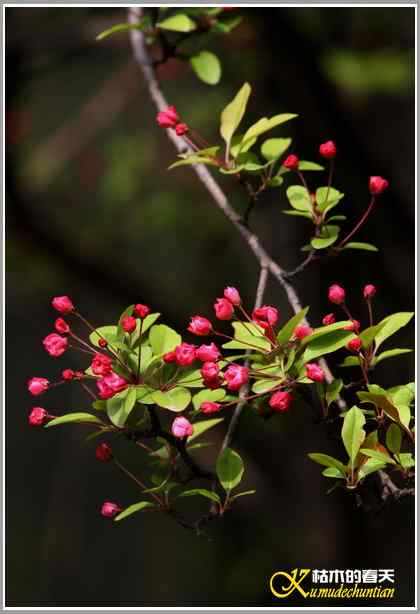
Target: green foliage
273,149
233,113
177,23
163,339
75,417
229,468
286,332
208,494
368,247
353,433
133,509
176,399
207,67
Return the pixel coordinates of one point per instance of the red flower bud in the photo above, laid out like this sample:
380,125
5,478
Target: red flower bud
354,345
291,162
265,316
62,304
223,309
103,453
38,385
185,354
328,319
212,383
377,185
280,401
102,343
208,353
314,372
110,385
55,344
236,376
232,295
302,331
369,291
354,326
181,427
181,129
38,416
101,364
169,357
61,326
328,150
336,294
209,370
110,509
129,324
67,374
200,326
168,118
208,407
141,311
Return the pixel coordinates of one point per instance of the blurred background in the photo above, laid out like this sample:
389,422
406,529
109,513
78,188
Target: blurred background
92,212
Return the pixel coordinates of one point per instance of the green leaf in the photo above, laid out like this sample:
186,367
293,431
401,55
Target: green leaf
385,402
327,237
333,390
333,472
264,385
380,456
120,406
149,321
368,247
191,379
337,218
263,125
208,395
176,399
144,395
75,417
369,334
207,67
177,23
391,325
394,438
193,159
233,113
123,27
251,334
372,465
406,460
298,198
298,214
243,494
390,354
137,507
163,339
285,333
325,344
272,149
334,197
203,426
202,492
350,361
305,165
275,182
99,405
328,461
229,468
106,332
353,433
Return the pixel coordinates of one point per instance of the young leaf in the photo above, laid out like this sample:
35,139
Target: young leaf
106,332
325,344
333,390
243,494
305,165
334,197
391,325
251,334
123,27
350,361
372,465
229,468
75,417
144,395
207,67
327,237
264,385
117,409
163,339
394,438
202,492
368,247
333,472
390,354
299,198
137,507
352,432
328,461
263,125
193,159
232,115
286,331
177,23
380,456
406,460
203,426
369,334
175,399
272,149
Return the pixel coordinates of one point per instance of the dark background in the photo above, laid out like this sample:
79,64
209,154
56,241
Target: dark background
93,213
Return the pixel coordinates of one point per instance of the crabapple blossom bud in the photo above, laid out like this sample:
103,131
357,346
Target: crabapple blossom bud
353,326
280,401
110,509
265,316
141,311
354,345
67,374
328,319
185,354
102,343
168,118
328,150
208,407
181,427
209,370
200,326
314,372
336,294
129,324
38,385
169,357
302,331
224,309
61,326
38,416
208,353
55,344
236,376
63,304
181,129
369,291
291,162
101,364
232,295
212,383
79,374
110,385
103,453
377,185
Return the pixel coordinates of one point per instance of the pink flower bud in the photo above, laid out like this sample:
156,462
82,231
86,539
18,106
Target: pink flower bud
79,375
200,326
328,150
336,294
208,353
38,416
236,376
185,354
224,309
208,407
265,316
209,370
110,385
212,383
67,374
302,331
181,427
169,357
353,326
63,304
55,344
314,372
129,324
38,385
328,319
280,401
103,453
110,509
168,118
181,129
369,291
377,185
291,162
101,364
232,295
354,345
61,326
141,311
102,343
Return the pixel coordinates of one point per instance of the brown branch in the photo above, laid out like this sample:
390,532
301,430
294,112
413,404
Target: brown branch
389,489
